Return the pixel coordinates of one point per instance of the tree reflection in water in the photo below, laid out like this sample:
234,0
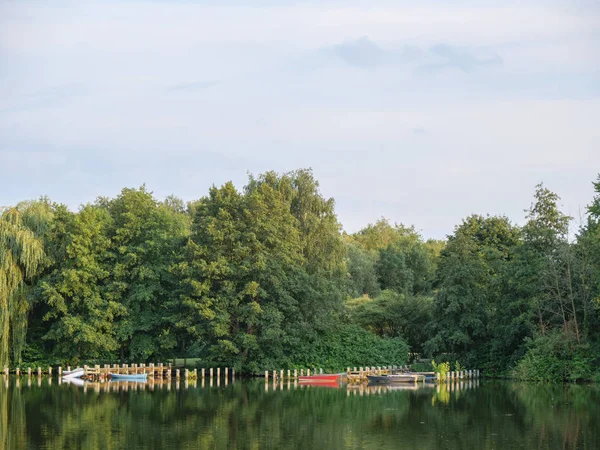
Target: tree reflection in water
41,413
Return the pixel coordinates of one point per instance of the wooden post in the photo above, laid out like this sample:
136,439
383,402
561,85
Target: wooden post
186,374
288,374
274,375
301,372
439,377
29,371
295,373
218,372
196,373
226,373
39,371
50,371
266,375
18,372
177,374
308,372
203,373
233,373
59,371
210,371
6,371
281,374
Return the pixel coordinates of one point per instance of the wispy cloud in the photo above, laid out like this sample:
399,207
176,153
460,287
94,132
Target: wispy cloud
447,57
365,53
420,131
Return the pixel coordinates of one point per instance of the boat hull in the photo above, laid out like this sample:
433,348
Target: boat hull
331,378
133,377
76,373
394,379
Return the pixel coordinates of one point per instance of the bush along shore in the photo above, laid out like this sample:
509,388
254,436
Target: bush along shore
264,278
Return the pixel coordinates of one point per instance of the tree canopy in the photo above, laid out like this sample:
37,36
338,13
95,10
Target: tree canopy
264,277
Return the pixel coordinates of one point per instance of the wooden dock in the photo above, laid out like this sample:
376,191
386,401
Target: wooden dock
160,371
153,371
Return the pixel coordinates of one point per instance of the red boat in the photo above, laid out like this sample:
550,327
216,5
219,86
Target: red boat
322,378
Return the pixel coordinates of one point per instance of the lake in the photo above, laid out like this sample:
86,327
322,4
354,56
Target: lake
475,414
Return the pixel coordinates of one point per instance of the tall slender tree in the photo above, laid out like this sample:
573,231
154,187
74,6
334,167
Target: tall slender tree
21,256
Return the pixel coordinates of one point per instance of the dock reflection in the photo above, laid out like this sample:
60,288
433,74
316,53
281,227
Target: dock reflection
211,383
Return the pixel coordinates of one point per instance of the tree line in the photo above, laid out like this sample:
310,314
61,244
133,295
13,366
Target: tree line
264,277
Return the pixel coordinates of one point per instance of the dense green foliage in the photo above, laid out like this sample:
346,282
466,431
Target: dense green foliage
264,278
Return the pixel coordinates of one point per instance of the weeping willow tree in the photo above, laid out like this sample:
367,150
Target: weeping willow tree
21,256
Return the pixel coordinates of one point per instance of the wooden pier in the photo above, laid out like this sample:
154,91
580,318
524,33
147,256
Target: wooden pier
97,372
160,371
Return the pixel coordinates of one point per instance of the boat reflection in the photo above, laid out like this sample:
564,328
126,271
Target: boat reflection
442,390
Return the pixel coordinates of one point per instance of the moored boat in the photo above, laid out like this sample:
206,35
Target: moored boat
75,373
398,378
324,377
133,377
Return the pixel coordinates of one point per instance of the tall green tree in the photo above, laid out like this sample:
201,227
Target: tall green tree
588,257
262,266
468,284
21,257
82,317
546,237
146,236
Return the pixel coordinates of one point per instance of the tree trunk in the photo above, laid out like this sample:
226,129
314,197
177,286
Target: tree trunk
572,297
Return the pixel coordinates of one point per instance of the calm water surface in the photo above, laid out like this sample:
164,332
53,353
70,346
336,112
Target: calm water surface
43,414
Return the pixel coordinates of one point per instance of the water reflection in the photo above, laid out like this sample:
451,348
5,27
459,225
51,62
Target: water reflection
39,413
269,386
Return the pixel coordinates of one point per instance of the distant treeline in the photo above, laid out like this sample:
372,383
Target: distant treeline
265,278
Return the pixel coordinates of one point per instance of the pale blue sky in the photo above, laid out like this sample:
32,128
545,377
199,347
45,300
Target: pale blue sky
423,112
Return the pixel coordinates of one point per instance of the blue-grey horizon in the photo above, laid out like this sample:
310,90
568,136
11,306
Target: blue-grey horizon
420,112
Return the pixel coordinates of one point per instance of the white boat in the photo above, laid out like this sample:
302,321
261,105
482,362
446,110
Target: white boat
75,373
131,377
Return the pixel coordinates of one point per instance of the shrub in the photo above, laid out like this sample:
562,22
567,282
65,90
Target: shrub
555,357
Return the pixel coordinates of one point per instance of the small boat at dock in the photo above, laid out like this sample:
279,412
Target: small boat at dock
321,378
71,374
396,378
131,377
